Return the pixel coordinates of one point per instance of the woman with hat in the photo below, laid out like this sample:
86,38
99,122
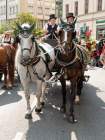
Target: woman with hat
51,30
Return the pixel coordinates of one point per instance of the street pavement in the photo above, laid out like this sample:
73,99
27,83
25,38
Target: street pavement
51,123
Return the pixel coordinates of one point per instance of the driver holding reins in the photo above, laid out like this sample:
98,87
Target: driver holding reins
51,30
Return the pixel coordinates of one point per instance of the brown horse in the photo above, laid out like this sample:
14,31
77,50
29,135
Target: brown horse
73,63
7,57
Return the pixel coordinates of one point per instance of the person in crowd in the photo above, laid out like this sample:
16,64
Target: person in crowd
102,56
7,38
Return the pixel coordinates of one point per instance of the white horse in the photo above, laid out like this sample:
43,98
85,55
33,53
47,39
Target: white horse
32,65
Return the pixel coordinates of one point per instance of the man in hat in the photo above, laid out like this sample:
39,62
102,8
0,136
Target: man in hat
51,30
51,37
70,19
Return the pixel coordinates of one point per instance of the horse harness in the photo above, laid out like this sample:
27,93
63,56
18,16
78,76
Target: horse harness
34,61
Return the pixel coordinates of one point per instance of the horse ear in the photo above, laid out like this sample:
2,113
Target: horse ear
62,22
32,27
75,20
19,27
17,39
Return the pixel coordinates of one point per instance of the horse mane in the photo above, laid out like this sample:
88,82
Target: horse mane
60,35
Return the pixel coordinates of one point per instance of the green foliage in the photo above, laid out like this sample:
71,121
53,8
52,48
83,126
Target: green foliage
22,18
4,27
25,18
38,32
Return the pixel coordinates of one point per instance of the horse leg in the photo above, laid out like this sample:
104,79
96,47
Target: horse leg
63,83
10,75
71,117
44,86
38,96
79,89
42,98
5,86
1,74
28,114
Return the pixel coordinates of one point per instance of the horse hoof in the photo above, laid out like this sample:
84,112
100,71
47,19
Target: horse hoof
42,104
38,110
16,85
77,100
71,119
4,87
9,88
28,116
63,109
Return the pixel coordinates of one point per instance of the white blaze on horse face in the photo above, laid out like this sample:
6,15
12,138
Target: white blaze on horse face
26,46
65,36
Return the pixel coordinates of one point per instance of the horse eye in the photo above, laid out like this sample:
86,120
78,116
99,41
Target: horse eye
33,39
21,32
68,27
17,39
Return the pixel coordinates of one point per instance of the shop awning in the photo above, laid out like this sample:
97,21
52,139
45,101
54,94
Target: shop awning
100,21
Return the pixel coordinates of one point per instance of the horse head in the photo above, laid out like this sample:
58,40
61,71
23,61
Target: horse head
67,30
26,41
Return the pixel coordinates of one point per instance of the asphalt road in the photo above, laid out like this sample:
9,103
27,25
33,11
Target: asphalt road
51,124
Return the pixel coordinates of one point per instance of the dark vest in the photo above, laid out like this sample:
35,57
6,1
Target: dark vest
52,30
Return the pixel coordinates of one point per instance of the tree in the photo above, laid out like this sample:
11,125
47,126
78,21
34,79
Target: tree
25,18
4,27
1,29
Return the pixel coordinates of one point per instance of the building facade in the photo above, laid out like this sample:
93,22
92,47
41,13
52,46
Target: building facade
38,8
8,9
58,8
90,14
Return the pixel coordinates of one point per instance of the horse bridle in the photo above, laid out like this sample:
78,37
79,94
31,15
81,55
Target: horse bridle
35,59
66,64
64,43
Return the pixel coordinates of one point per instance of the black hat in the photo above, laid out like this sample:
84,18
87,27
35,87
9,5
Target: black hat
52,16
70,15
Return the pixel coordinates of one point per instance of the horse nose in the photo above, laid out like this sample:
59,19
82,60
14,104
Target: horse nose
68,28
26,58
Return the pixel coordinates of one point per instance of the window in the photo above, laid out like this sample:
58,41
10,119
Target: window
16,8
40,10
30,1
10,10
76,8
4,9
66,8
86,6
47,10
1,10
99,5
13,10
